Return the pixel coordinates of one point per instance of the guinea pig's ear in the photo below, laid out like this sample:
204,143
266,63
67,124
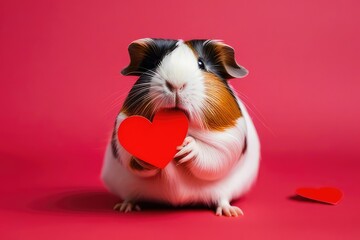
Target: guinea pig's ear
146,54
230,64
226,57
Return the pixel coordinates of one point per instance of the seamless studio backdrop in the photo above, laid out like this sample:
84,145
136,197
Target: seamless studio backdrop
61,90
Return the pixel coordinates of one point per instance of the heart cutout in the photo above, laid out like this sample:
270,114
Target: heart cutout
328,195
156,142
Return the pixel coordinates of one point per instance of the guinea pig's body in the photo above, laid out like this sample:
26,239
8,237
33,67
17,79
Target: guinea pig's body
219,158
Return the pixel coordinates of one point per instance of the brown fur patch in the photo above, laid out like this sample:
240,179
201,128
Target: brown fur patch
114,141
137,51
218,57
221,109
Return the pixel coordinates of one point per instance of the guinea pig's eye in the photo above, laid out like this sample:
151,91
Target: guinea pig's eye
201,64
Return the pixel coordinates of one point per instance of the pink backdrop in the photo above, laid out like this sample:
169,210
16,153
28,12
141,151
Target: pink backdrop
61,90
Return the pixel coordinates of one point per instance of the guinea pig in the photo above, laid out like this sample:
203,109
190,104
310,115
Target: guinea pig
219,158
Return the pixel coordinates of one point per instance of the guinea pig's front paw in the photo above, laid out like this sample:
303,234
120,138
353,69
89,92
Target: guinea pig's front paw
126,206
142,169
224,208
187,151
139,165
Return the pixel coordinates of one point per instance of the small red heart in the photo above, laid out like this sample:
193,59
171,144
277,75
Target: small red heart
156,142
329,195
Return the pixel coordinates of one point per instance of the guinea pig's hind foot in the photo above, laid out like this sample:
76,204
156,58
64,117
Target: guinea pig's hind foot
224,208
126,206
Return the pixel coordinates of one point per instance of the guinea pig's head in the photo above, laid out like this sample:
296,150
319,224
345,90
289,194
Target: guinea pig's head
188,75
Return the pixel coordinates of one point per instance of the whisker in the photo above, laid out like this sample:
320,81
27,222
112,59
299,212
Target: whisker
256,113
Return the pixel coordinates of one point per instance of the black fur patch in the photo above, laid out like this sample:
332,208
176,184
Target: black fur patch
245,146
156,51
137,99
147,55
145,58
211,57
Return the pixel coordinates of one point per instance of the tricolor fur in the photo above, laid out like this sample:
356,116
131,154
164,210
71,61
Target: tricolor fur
191,76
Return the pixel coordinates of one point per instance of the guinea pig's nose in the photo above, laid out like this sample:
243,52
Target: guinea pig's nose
182,87
172,87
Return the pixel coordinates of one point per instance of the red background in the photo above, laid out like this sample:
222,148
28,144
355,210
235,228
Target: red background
61,90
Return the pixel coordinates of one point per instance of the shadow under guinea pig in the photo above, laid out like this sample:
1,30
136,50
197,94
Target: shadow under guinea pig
75,201
92,201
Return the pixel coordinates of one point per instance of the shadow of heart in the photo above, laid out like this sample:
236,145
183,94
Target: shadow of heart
298,198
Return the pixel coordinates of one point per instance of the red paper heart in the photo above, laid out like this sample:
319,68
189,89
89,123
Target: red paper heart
156,142
326,194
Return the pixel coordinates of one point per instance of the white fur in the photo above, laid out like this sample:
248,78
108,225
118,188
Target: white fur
175,185
217,174
180,67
